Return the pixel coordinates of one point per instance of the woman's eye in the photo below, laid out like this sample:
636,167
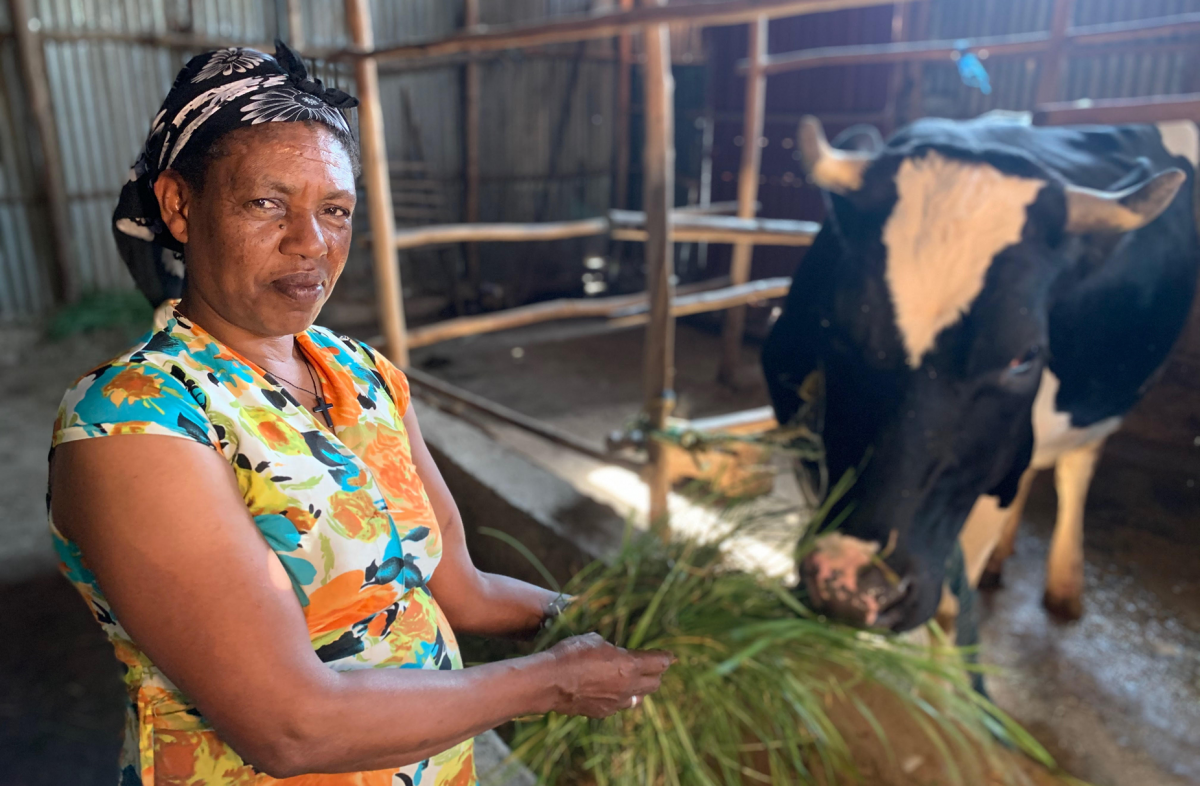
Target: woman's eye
1024,362
263,204
340,212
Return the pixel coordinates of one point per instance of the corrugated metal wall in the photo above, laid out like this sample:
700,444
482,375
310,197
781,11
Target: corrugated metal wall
1014,80
105,92
547,116
24,285
843,96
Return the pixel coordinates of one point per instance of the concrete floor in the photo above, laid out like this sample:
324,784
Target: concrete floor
1116,696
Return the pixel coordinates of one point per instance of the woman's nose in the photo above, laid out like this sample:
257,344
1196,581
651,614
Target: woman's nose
303,237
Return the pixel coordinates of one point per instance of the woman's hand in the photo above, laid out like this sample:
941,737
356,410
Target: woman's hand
597,679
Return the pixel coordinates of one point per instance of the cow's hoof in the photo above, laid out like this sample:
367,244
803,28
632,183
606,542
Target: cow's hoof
1068,608
991,580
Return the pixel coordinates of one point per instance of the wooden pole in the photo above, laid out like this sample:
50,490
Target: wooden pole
621,120
389,293
1048,80
26,28
658,197
295,25
472,93
752,131
1115,111
595,26
621,310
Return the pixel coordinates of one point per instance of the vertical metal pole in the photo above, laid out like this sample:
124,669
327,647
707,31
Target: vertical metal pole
472,93
1048,81
295,25
752,131
658,164
26,29
621,120
379,193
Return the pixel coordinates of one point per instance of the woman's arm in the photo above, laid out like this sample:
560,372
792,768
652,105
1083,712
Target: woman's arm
484,604
163,527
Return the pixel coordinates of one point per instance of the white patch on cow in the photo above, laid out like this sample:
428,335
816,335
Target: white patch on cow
951,219
1053,434
1181,138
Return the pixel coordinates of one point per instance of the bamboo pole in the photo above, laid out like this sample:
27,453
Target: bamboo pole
26,28
620,310
621,120
712,300
535,313
511,233
743,253
698,228
594,26
658,189
688,225
1052,58
1084,39
389,293
1148,109
472,93
907,51
518,419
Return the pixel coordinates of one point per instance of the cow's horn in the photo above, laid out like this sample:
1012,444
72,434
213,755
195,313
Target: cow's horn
839,171
1121,211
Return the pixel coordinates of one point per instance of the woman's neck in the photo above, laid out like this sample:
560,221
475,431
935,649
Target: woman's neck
266,351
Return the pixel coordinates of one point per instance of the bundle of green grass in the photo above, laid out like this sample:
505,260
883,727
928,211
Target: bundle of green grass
763,690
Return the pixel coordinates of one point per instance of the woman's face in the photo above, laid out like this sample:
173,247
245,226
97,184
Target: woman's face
268,236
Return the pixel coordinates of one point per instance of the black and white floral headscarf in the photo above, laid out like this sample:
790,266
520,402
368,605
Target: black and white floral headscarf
215,92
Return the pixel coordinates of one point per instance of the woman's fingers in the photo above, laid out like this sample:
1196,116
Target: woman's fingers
653,661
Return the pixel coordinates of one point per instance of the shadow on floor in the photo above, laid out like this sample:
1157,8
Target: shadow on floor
61,698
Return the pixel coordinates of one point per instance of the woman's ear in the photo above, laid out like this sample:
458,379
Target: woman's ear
174,201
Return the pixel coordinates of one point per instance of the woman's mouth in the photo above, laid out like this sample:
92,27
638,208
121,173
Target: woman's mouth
306,287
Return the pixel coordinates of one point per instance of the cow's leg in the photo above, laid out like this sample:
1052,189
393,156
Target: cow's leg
1008,534
980,535
1064,569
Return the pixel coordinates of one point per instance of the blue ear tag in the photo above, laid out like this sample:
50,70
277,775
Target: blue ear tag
971,70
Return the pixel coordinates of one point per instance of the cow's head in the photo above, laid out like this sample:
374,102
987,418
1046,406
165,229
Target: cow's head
937,265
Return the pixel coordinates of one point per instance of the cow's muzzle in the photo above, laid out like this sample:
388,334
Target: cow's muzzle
849,580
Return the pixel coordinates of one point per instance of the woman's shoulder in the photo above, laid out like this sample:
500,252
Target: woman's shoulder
142,391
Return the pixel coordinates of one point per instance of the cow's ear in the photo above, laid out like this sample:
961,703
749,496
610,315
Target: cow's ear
1111,212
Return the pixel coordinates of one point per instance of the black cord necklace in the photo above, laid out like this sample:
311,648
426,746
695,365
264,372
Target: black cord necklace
322,406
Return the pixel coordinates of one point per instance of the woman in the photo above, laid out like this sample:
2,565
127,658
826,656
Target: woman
245,500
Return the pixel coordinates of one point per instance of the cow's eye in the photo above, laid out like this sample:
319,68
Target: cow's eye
1024,362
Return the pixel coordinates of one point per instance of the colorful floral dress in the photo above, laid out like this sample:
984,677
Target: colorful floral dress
343,509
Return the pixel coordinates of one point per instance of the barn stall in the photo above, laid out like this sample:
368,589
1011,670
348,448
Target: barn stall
537,168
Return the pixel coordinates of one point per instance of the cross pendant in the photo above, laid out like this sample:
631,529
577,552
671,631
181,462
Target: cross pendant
323,407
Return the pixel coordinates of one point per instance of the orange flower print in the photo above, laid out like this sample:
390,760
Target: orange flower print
353,514
132,385
349,506
344,601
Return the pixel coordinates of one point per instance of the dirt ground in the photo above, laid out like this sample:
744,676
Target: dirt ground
1116,696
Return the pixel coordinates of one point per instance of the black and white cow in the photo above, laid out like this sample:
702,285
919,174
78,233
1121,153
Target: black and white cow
985,299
